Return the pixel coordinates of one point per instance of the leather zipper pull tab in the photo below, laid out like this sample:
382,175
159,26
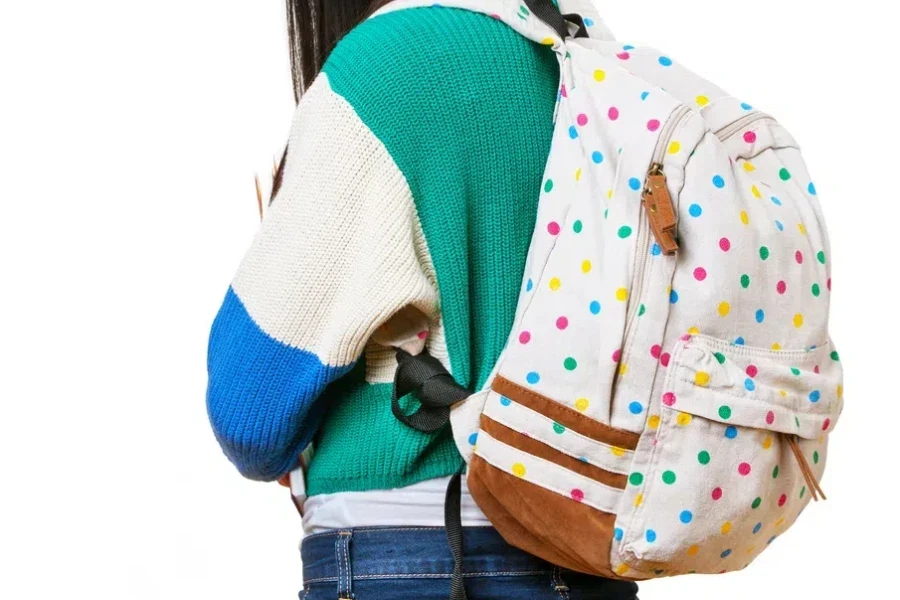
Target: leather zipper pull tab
660,210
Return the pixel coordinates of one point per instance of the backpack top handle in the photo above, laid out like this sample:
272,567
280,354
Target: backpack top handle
547,11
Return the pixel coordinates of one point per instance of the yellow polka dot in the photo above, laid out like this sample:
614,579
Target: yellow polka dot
548,41
702,100
694,331
779,522
586,266
840,392
767,443
582,404
798,320
684,419
724,309
745,218
639,499
653,421
693,550
776,346
599,75
617,451
674,147
726,528
802,228
621,294
518,470
609,194
555,283
578,174
622,569
623,368
701,378
751,549
783,393
755,191
748,166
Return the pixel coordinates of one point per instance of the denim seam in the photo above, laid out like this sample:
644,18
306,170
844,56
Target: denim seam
429,575
559,584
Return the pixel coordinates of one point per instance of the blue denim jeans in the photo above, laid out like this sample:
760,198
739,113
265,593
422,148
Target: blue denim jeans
399,563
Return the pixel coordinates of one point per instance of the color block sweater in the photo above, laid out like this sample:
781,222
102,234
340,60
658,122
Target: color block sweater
407,206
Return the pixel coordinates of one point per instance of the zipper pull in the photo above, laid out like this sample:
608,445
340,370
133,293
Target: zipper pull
660,209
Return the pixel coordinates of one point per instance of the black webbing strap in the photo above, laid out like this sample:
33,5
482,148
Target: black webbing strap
437,391
547,12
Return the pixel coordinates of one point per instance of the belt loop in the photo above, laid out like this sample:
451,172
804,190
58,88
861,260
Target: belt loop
345,574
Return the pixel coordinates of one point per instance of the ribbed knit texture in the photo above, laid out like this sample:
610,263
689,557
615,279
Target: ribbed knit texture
463,105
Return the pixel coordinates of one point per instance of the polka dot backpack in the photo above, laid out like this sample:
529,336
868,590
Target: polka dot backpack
664,400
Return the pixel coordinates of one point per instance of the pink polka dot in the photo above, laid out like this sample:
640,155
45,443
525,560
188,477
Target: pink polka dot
577,495
623,55
562,323
744,469
816,370
798,256
699,273
826,424
422,335
781,287
617,355
752,371
582,119
725,244
783,500
613,113
524,337
553,228
563,92
750,137
717,494
770,417
828,284
685,338
668,398
653,124
655,351
664,359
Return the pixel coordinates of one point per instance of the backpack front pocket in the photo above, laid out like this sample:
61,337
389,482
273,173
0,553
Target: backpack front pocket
732,453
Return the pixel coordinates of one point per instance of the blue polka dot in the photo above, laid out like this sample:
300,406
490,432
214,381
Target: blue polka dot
719,181
583,459
595,308
650,535
739,341
655,250
686,516
726,553
573,132
533,378
505,401
757,528
634,183
779,225
619,534
644,95
746,106
695,210
473,438
771,539
815,396
748,383
588,22
665,61
731,432
529,286
673,297
760,316
811,189
636,408
597,157
627,47
776,201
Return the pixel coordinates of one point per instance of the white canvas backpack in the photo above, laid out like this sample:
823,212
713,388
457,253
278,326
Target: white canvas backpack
665,397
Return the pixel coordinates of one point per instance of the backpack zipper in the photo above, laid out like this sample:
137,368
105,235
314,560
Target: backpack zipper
736,126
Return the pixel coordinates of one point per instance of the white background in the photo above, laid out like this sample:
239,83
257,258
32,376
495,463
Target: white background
129,136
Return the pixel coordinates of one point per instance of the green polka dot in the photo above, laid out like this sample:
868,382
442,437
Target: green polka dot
816,290
641,310
797,422
775,472
756,503
720,357
803,491
835,356
703,457
745,281
816,457
636,479
577,226
624,231
725,412
784,174
570,364
763,252
606,213
668,477
548,187
795,371
820,256
559,428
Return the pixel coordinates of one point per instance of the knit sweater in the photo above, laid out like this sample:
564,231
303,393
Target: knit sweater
404,218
